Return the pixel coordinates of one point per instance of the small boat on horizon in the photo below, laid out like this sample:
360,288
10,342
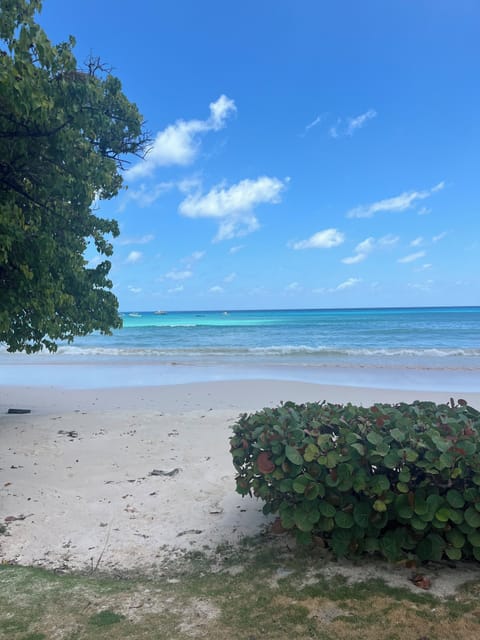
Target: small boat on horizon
160,313
135,315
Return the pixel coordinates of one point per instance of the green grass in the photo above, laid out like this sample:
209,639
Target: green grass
254,591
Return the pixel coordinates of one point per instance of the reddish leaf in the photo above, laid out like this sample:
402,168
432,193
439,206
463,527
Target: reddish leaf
264,463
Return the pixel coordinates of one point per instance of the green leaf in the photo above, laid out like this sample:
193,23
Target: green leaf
302,520
455,538
455,499
300,484
361,514
311,453
313,491
379,484
453,553
326,509
344,520
374,438
359,448
474,539
443,514
472,517
380,506
293,455
286,485
397,434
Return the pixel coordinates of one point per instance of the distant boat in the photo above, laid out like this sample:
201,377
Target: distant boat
135,315
160,313
225,313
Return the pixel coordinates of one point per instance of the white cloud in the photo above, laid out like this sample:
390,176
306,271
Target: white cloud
351,282
325,239
424,267
94,262
140,240
421,286
347,284
145,196
440,236
134,256
178,144
315,122
417,242
364,248
216,289
404,201
236,249
424,211
233,206
293,286
194,257
412,257
176,289
179,275
355,259
352,124
359,121
230,278
134,289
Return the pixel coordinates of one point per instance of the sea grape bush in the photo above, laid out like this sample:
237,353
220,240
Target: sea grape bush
399,480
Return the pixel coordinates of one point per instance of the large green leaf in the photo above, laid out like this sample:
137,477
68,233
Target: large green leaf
472,517
344,520
293,455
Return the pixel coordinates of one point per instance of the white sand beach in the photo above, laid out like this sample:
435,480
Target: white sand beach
124,478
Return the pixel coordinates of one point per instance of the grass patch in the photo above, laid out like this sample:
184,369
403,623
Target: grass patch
250,592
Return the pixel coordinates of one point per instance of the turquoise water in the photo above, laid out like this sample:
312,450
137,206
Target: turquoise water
437,347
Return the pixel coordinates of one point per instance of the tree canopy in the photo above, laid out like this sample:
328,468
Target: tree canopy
65,134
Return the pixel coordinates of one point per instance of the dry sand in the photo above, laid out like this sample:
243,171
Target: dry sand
76,473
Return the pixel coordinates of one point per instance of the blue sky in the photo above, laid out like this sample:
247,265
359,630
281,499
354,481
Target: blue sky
305,153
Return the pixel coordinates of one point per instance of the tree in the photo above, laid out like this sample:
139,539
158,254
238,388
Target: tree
65,134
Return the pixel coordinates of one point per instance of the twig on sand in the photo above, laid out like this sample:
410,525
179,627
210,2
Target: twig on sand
107,538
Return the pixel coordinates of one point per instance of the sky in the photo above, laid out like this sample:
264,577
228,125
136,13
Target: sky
305,153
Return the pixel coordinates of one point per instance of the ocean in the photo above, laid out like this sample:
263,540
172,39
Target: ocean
411,348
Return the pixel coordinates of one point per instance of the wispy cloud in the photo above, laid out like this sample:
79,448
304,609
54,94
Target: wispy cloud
234,207
135,290
417,242
439,237
236,249
134,256
230,278
178,289
216,289
137,240
325,239
364,248
347,284
314,123
351,282
405,200
424,267
193,258
178,144
293,286
145,196
350,125
424,211
174,274
412,257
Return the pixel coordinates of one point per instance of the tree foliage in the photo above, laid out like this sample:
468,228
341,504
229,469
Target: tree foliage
65,134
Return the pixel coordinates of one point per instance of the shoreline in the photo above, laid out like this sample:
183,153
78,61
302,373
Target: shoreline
242,395
79,488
